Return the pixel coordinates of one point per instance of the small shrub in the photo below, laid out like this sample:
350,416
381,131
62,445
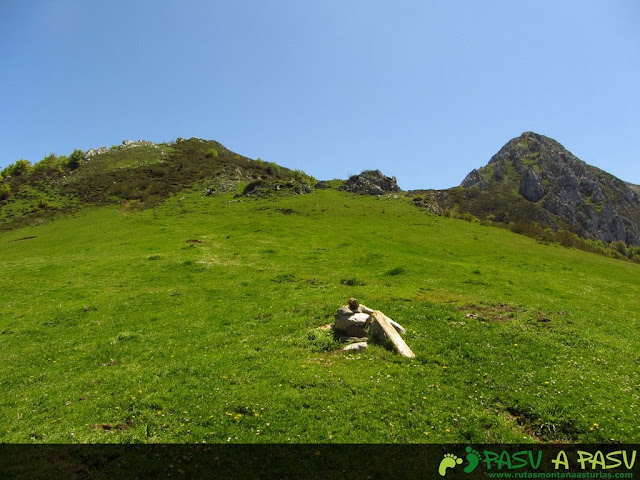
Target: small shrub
49,164
212,153
301,177
44,203
395,271
567,239
352,282
123,337
286,211
5,191
272,169
158,171
254,186
530,229
75,159
468,217
284,278
18,169
321,340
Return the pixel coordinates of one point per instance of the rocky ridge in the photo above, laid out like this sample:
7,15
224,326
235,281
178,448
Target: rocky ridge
92,152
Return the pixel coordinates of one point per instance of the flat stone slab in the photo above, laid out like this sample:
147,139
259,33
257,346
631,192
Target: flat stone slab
356,346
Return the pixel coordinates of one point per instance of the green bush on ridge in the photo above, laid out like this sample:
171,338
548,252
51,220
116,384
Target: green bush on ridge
5,191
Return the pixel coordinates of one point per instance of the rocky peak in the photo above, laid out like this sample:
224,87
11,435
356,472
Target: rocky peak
371,182
543,172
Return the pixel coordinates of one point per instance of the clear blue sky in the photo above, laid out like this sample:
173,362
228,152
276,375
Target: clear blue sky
424,90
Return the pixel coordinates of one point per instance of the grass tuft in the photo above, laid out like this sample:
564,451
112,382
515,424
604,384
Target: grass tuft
395,271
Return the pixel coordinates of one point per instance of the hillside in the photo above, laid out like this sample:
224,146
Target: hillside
139,174
197,321
533,185
535,179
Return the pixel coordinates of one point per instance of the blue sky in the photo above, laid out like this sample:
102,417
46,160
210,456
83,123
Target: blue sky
423,90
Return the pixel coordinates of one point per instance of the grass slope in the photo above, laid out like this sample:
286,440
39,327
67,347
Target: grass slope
142,174
196,321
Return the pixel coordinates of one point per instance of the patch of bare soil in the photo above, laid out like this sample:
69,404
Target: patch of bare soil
108,427
500,312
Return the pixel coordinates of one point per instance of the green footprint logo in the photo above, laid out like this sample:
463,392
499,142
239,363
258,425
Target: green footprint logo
449,461
473,457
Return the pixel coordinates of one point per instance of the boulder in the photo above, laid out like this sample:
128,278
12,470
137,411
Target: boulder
371,182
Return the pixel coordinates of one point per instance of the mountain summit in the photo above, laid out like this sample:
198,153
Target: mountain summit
534,178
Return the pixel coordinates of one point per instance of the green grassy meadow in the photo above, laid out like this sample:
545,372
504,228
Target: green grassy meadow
197,321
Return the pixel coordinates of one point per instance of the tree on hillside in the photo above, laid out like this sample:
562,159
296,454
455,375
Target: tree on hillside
50,163
75,159
18,169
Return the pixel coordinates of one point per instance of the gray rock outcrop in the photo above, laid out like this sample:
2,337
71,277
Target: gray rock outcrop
530,187
92,152
137,143
371,182
475,178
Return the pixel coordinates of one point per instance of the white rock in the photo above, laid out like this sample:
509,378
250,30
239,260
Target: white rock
356,346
